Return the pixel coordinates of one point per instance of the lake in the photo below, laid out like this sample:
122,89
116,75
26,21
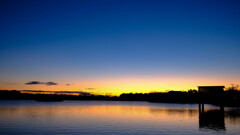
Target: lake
115,117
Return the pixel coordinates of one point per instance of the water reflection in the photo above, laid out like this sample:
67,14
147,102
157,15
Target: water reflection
211,119
93,117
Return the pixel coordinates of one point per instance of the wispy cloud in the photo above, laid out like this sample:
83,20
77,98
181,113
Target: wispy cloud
90,88
10,83
38,82
34,82
50,83
64,92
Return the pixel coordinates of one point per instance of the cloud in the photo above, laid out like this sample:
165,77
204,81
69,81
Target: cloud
38,82
34,82
9,83
76,92
63,92
90,88
50,83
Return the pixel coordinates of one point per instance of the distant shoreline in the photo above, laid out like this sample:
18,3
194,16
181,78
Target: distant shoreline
228,98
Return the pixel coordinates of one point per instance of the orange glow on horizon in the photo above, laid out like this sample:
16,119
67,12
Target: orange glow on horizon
119,85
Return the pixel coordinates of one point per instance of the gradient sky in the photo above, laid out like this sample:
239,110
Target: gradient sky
115,46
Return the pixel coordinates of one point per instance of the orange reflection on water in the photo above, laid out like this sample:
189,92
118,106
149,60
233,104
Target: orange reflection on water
115,117
107,113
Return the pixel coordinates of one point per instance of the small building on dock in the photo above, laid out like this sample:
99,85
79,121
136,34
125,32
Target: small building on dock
211,90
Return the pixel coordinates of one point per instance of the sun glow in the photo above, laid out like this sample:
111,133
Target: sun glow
118,85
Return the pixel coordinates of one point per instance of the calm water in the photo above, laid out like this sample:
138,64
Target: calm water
115,117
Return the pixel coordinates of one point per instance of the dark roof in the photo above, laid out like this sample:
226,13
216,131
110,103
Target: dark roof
211,86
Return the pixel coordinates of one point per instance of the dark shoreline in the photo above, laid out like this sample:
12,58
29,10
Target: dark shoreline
228,98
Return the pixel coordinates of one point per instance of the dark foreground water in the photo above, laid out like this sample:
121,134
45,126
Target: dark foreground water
114,118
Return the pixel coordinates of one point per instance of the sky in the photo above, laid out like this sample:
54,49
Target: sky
116,46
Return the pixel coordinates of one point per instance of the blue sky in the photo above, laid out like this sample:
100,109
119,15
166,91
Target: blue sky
91,39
